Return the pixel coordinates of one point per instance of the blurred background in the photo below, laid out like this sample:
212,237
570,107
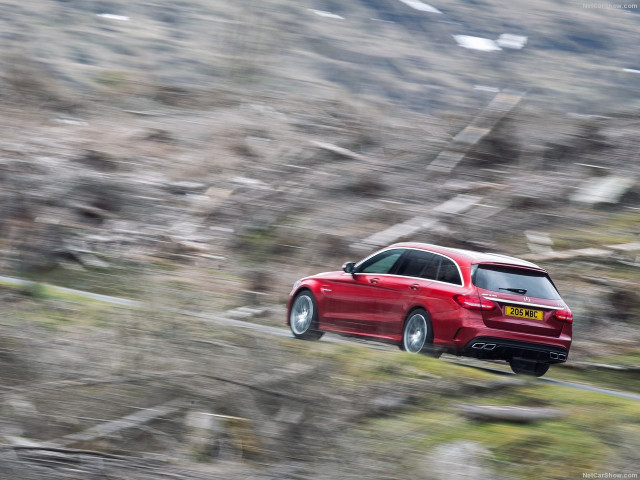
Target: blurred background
189,160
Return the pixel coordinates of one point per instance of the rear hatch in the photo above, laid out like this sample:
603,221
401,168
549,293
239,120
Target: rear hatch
526,299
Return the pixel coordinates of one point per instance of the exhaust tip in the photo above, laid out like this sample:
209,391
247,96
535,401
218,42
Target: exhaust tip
489,346
562,356
553,355
478,345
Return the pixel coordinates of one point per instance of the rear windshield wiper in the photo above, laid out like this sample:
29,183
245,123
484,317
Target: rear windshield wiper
520,291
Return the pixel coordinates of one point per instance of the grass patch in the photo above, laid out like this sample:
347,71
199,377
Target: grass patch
43,291
626,381
611,230
583,441
605,229
61,312
360,365
629,357
122,281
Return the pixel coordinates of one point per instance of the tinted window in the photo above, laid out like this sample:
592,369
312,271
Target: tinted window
431,270
414,263
380,263
448,272
514,280
442,269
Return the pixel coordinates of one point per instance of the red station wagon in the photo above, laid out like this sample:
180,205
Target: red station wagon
432,299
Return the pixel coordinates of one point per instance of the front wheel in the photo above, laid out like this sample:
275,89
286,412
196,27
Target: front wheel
523,367
303,319
416,333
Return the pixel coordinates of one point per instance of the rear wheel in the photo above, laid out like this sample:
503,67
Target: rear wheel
303,319
527,367
416,334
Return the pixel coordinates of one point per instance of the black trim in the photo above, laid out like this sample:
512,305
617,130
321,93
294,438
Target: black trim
508,349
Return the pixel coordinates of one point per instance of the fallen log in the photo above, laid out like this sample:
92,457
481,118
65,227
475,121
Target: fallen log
505,413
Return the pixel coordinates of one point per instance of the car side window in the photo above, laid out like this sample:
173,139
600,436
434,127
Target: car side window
414,263
448,272
442,269
381,263
430,271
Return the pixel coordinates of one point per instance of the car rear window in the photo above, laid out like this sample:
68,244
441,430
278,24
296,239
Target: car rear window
516,281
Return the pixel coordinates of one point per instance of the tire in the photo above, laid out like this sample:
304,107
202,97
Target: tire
417,335
533,369
303,318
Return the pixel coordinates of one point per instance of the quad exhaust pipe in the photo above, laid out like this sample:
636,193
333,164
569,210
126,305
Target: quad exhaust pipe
561,357
483,346
557,356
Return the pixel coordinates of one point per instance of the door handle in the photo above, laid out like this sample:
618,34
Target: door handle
414,286
374,280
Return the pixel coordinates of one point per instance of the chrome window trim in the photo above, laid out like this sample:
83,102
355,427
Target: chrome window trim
411,278
406,276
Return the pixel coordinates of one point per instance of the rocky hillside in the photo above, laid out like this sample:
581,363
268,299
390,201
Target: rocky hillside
206,154
287,137
395,52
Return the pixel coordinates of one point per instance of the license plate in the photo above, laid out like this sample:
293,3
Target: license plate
523,313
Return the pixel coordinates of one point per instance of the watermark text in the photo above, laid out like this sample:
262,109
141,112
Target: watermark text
611,6
609,475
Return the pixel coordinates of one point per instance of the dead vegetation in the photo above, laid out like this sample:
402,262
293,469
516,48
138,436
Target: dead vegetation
147,393
200,158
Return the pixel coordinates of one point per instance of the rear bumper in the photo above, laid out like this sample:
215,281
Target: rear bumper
471,329
505,349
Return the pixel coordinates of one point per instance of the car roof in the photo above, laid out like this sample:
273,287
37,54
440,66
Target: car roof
469,256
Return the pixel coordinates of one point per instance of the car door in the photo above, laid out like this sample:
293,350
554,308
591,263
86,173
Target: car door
446,280
351,298
397,291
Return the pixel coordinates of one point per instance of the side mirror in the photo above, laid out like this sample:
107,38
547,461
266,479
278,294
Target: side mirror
348,267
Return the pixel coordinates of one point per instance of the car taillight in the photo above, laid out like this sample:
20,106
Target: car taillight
564,315
471,302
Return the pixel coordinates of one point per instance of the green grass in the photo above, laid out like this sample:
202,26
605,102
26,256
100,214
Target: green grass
116,281
584,440
368,365
590,437
604,229
628,357
44,291
611,229
587,438
59,310
628,381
